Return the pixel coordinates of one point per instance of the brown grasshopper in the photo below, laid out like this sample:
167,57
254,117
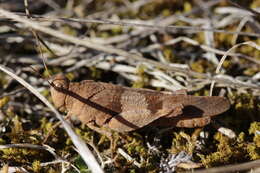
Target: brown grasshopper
125,109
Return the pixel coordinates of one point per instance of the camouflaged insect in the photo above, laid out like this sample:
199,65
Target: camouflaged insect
125,109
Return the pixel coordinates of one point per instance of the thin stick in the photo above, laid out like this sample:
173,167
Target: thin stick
128,157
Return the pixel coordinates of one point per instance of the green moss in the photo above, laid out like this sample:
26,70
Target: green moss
36,166
95,73
70,76
202,66
79,162
68,30
228,151
253,151
134,145
246,145
17,126
4,101
254,128
51,72
183,142
85,133
117,30
3,80
143,77
166,12
254,147
187,7
168,54
23,156
46,93
46,126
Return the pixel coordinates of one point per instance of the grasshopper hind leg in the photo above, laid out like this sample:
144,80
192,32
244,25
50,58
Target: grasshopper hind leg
185,122
194,122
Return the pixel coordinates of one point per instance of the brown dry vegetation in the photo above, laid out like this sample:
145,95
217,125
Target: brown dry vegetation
157,44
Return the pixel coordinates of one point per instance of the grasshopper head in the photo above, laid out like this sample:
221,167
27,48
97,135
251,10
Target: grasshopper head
58,85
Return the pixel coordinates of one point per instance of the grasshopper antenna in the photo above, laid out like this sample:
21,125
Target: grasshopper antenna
45,66
38,41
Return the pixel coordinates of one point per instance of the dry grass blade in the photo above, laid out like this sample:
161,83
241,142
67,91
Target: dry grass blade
79,143
250,43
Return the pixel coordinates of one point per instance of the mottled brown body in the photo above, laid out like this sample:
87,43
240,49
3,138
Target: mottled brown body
125,109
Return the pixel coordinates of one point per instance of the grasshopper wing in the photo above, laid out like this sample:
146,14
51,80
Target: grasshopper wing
132,108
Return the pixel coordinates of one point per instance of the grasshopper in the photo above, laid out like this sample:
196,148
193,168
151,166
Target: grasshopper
124,109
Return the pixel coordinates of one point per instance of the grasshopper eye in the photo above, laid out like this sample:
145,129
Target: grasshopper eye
60,81
59,85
